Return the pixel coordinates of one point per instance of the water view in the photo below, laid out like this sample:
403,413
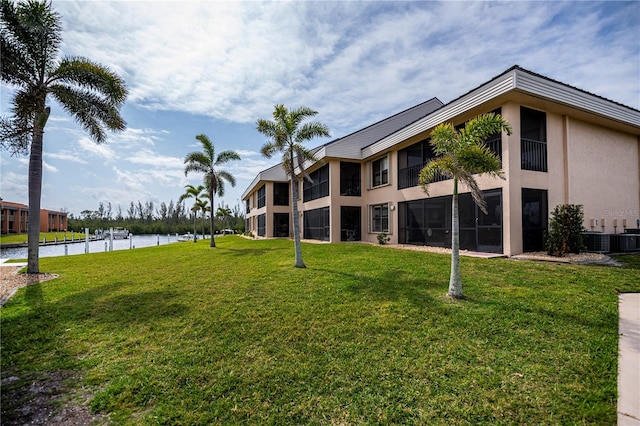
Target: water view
69,248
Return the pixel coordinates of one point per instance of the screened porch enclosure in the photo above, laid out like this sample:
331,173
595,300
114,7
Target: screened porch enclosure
428,222
316,224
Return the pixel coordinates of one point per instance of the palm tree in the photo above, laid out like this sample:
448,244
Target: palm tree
224,213
30,39
194,192
461,155
287,137
203,206
208,163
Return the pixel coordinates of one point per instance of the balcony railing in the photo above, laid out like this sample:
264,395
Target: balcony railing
533,155
409,176
495,145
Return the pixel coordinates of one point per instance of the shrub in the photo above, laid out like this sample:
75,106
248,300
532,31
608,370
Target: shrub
565,230
382,238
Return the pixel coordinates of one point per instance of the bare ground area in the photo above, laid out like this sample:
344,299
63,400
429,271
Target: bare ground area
10,280
45,399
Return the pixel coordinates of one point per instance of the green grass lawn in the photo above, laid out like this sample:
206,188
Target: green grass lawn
185,334
50,236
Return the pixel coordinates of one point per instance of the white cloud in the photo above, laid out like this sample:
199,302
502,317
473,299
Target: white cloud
96,150
150,158
355,62
64,157
48,167
15,183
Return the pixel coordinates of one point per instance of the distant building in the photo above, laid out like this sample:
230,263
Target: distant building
15,217
567,146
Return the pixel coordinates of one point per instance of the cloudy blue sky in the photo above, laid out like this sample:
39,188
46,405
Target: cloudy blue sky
216,67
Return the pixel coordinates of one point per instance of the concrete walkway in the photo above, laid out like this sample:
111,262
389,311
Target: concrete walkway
629,360
3,262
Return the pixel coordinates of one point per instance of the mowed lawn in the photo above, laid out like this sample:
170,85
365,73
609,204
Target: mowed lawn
185,334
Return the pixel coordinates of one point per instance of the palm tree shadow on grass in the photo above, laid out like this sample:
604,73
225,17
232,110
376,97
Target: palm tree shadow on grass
390,285
102,305
249,253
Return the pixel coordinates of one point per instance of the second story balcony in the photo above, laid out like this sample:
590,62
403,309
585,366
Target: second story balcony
533,155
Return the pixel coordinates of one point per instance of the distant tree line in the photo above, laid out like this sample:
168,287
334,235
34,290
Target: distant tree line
146,218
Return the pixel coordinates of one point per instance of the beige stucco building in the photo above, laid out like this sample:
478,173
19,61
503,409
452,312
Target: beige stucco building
567,146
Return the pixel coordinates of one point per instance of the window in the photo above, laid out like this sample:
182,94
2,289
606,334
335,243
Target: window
380,218
319,187
316,224
281,224
280,194
262,225
349,179
247,207
533,140
262,195
380,169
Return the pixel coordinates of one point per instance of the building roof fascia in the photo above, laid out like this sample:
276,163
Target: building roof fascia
272,174
350,146
499,85
541,86
11,204
519,79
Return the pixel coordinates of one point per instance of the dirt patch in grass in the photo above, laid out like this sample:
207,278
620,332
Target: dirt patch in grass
11,280
45,399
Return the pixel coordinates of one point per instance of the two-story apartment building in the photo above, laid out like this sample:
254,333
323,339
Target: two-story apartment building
567,146
15,217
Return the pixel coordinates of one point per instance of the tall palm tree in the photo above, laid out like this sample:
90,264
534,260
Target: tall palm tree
30,39
194,192
460,155
287,136
208,163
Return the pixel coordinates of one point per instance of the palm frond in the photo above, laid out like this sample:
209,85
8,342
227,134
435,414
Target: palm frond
207,147
197,161
478,129
36,28
479,159
476,193
267,127
225,175
91,111
444,138
311,130
268,149
434,169
227,156
302,154
16,68
82,72
298,115
15,135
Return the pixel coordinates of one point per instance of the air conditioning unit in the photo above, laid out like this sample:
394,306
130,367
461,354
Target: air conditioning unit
597,242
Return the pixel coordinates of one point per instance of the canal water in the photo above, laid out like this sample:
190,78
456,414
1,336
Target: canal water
62,249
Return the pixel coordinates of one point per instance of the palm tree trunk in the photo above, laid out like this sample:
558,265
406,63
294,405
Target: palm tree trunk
203,213
296,222
211,222
195,226
455,284
35,191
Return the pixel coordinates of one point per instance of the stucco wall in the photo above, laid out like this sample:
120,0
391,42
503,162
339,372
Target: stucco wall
603,175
